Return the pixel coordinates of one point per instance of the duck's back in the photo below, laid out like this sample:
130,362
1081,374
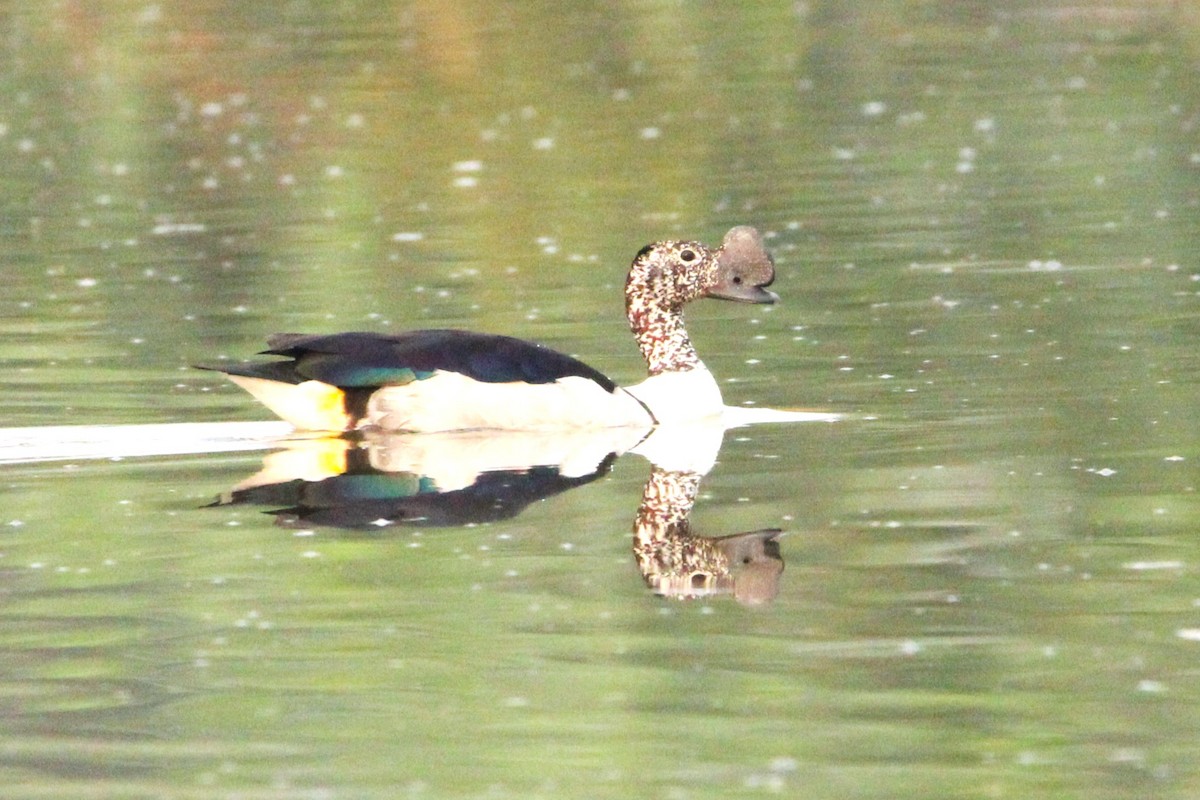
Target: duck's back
431,380
369,360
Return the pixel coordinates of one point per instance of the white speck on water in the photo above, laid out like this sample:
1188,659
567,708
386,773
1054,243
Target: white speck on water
910,647
516,701
1150,566
334,171
310,554
1189,634
26,145
567,546
470,165
1104,472
650,133
985,125
843,153
86,283
172,228
465,182
211,110
305,532
356,121
1151,687
544,143
873,108
783,764
381,522
1077,83
1174,458
408,236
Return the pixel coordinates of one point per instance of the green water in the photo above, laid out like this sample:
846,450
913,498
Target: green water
985,218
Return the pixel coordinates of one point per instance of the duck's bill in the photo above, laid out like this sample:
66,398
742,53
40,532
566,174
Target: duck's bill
743,294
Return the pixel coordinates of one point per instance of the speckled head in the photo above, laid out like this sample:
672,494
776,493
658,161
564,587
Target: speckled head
672,273
667,275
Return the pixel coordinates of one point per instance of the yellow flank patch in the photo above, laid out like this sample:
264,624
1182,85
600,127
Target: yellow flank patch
326,405
309,406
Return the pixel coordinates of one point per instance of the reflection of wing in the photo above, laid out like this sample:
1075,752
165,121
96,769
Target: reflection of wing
366,499
428,479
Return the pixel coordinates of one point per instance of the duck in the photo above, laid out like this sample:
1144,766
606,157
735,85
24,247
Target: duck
441,380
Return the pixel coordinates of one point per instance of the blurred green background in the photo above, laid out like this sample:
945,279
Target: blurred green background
985,217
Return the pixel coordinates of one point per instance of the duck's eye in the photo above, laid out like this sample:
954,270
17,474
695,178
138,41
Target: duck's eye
687,255
737,279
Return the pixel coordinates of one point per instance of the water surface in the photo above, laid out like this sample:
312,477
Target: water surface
984,217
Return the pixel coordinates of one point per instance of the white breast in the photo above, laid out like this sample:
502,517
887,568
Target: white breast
680,396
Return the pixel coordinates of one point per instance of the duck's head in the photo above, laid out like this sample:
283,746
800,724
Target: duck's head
672,273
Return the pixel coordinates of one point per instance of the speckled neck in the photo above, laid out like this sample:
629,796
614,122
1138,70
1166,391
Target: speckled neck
660,336
658,286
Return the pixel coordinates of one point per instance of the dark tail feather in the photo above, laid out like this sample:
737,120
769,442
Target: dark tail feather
282,371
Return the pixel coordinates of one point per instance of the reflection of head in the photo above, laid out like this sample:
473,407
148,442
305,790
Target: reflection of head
678,564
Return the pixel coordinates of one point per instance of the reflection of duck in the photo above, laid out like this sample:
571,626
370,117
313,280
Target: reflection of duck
443,480
438,380
452,479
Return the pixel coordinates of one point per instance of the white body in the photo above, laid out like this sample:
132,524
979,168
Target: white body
449,401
